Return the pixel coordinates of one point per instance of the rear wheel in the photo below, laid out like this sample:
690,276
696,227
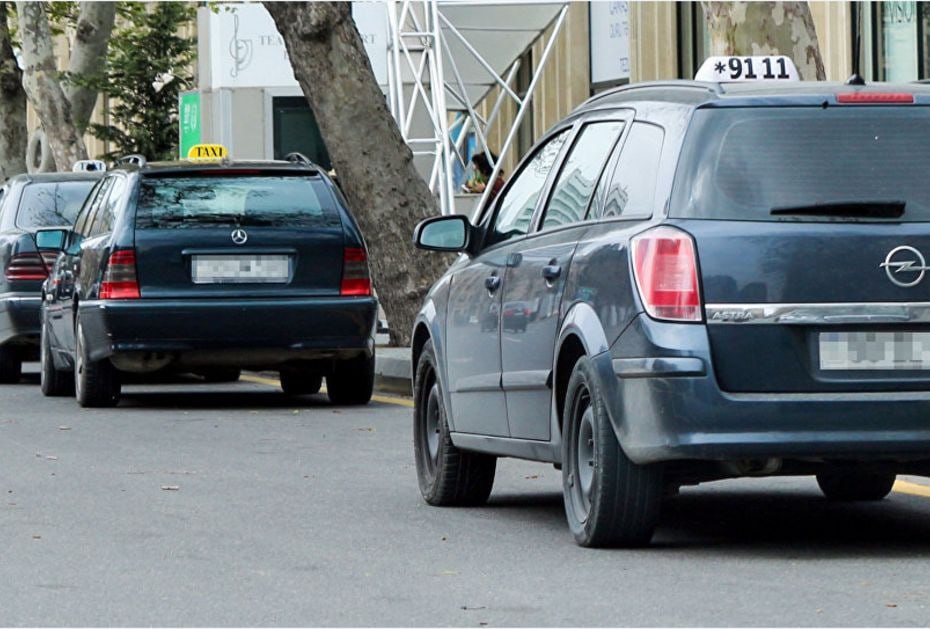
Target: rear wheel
11,365
299,382
352,381
96,383
52,381
850,485
609,500
447,476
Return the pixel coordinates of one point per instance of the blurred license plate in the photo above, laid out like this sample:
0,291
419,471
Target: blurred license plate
886,351
219,269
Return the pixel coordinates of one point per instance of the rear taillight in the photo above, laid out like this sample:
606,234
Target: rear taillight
119,280
356,280
28,266
665,268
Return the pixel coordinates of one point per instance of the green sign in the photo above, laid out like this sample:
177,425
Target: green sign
188,121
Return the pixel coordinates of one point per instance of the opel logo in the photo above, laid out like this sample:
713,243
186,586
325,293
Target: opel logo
901,262
239,237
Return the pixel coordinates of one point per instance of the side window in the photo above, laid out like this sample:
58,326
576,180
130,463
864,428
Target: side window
572,191
92,227
80,223
103,223
632,189
516,207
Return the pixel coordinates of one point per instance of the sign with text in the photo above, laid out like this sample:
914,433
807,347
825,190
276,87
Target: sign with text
188,121
246,49
610,42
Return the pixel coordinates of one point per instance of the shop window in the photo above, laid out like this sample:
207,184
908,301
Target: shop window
295,129
693,39
899,40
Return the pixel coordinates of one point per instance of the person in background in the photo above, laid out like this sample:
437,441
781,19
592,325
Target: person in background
482,170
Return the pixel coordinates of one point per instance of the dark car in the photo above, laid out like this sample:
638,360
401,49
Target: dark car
731,281
28,203
211,267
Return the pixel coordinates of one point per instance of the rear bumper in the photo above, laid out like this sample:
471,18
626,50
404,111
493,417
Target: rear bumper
19,317
669,406
246,333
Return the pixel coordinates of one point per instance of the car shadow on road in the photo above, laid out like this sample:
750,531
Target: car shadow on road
543,509
219,399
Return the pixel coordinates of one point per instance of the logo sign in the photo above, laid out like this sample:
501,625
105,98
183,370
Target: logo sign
239,236
207,152
760,68
905,266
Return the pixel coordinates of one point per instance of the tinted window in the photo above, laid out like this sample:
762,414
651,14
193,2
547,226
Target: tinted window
106,215
632,189
516,207
47,203
210,201
741,163
80,224
572,191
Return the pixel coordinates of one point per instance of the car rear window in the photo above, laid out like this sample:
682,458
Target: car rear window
51,203
741,163
211,201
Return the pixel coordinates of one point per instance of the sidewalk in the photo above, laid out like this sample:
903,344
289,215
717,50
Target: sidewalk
393,370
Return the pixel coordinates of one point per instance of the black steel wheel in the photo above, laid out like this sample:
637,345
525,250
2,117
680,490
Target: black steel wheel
352,381
299,382
11,365
609,500
447,475
854,485
53,381
96,382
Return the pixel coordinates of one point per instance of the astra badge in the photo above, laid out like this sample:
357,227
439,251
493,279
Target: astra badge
905,266
239,236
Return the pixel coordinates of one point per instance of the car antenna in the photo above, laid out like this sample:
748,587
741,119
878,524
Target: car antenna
856,78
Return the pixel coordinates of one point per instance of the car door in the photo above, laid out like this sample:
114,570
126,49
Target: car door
473,320
535,281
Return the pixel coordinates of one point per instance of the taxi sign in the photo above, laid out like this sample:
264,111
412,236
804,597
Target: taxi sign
759,68
207,152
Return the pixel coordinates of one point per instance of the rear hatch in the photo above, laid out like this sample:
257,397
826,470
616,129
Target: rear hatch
812,230
229,233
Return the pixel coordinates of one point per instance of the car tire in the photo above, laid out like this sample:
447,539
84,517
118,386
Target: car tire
848,485
11,365
298,382
352,381
96,383
218,375
52,381
447,476
609,500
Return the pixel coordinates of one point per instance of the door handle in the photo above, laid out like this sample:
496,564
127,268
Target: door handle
492,283
552,272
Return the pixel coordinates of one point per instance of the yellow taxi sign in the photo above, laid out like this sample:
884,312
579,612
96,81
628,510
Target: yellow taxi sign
207,152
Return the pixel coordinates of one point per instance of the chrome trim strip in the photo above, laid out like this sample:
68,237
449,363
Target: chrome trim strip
19,297
818,314
658,366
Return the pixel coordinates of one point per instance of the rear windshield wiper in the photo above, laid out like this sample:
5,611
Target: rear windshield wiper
850,209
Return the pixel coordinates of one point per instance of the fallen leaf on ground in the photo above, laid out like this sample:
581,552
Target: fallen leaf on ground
52,457
533,477
891,604
36,537
366,429
468,609
64,428
171,487
448,573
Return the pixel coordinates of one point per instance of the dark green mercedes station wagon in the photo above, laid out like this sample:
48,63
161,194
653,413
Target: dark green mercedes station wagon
210,267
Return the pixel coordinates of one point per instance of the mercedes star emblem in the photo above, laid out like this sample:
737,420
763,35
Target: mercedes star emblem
239,237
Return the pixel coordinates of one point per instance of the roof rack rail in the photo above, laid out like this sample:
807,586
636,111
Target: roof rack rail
135,159
299,158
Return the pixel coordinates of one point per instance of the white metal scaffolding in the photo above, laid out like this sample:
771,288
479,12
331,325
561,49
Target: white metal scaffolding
467,48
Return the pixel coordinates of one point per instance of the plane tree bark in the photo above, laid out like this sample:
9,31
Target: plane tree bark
373,163
12,105
766,28
88,56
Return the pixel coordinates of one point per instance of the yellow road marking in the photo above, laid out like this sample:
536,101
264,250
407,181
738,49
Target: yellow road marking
911,489
384,399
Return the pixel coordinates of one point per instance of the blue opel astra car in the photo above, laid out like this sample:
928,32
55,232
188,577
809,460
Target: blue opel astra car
720,279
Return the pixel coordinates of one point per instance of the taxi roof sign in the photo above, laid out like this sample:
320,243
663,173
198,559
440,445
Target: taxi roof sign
207,152
721,69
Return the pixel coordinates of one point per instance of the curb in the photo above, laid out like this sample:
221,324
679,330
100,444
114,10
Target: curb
393,370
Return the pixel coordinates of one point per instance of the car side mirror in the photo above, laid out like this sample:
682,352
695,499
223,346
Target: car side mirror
51,239
444,233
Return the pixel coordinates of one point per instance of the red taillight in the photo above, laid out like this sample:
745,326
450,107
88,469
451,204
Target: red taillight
869,98
27,266
665,267
356,281
119,280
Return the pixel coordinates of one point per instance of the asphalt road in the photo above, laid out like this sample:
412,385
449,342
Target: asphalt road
233,505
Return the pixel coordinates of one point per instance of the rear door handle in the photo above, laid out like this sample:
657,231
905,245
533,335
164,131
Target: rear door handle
552,272
492,283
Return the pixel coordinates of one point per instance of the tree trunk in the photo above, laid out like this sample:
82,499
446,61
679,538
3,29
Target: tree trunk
88,56
766,28
12,106
373,163
43,87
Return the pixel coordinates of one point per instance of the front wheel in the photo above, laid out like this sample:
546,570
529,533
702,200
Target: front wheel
352,381
96,382
609,500
447,476
52,380
848,486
